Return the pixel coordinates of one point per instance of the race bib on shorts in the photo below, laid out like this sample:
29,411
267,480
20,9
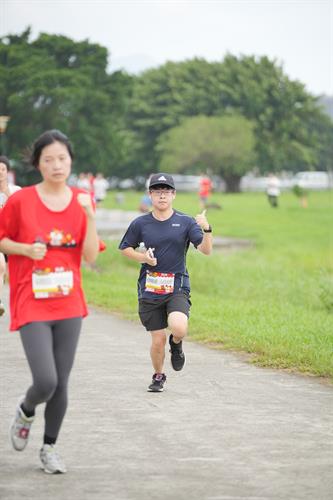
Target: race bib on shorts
160,283
52,283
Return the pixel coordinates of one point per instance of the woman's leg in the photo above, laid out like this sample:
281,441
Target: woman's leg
65,339
37,342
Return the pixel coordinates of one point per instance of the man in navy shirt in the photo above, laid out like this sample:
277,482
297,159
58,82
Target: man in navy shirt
159,241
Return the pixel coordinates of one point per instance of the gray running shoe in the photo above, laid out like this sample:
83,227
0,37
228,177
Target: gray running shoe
157,384
51,461
2,308
20,428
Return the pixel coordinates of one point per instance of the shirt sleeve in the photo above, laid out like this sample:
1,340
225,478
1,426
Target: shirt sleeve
195,233
9,220
132,236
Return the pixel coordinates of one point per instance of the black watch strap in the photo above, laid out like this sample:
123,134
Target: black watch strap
209,230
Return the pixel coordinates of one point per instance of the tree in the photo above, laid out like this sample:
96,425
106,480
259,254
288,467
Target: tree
163,97
283,113
225,145
54,82
291,131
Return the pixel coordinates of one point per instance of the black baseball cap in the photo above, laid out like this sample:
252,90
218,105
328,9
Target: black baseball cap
161,180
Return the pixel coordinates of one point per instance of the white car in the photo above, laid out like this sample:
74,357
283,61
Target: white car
315,180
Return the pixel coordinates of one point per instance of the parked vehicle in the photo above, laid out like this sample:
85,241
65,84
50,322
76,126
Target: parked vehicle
313,180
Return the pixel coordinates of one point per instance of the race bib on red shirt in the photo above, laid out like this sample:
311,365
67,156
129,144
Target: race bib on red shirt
52,283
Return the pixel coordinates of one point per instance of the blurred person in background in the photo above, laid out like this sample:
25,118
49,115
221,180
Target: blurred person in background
273,190
100,185
83,182
205,190
6,189
145,205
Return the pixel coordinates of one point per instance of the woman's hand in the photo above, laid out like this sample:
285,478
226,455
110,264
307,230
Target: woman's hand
36,251
84,199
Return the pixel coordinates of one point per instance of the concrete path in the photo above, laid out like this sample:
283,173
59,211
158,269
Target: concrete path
223,429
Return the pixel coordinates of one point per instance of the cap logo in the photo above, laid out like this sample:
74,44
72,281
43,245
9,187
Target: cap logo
162,178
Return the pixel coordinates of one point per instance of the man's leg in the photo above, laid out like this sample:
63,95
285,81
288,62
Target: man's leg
178,324
157,354
157,350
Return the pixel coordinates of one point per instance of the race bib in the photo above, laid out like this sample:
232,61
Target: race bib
48,283
160,283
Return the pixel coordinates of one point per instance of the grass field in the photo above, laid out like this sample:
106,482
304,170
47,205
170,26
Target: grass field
274,300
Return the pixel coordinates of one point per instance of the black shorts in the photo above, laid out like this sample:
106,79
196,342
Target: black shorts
154,312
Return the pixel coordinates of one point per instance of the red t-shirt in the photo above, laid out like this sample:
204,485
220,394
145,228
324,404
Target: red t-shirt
205,186
26,219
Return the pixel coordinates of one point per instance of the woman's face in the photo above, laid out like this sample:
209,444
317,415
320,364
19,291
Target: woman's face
3,171
55,163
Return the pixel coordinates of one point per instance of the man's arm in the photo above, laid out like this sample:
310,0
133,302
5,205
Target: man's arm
206,246
146,257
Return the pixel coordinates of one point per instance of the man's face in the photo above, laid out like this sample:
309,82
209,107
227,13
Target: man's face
162,197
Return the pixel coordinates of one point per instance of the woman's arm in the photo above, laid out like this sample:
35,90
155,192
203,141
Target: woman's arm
91,240
35,251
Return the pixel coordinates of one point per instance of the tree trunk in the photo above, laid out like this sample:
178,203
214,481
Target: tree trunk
232,183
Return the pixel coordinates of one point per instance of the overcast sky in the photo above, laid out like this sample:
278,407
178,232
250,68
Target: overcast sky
145,33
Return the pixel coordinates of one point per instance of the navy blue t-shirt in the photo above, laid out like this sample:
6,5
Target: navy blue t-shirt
171,239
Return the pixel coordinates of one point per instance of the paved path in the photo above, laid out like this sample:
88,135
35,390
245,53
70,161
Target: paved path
222,430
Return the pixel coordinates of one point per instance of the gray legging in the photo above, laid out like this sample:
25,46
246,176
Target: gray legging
50,349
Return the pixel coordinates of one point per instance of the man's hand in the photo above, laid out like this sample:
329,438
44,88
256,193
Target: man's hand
150,259
202,220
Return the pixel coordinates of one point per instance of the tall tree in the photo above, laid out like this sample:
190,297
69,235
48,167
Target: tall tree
257,88
54,82
225,145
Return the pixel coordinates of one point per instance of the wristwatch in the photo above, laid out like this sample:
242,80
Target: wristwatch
209,230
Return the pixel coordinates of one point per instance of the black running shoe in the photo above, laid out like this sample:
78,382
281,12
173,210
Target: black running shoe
157,382
177,355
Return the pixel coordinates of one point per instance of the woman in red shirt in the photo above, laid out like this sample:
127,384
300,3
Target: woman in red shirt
45,230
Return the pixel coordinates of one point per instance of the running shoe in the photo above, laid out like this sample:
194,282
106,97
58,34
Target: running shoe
157,383
20,428
177,355
51,461
2,308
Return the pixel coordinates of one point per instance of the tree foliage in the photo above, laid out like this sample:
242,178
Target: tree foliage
282,111
54,82
224,145
118,123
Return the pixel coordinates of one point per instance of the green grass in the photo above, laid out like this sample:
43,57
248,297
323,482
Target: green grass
267,300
